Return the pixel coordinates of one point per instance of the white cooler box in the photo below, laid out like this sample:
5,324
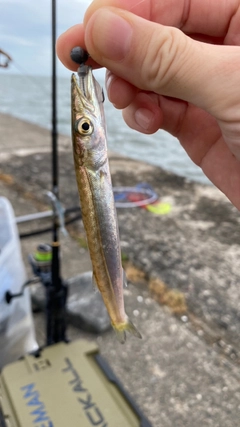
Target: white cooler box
17,335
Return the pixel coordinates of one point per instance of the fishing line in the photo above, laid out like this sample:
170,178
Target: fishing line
49,229
24,74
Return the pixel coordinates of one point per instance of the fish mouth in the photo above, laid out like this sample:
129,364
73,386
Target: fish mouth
84,83
80,104
83,89
87,94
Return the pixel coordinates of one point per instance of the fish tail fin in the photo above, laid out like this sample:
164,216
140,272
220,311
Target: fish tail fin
122,328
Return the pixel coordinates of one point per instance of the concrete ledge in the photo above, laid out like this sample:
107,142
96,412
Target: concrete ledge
185,371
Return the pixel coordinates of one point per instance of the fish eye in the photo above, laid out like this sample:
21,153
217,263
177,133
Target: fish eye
84,126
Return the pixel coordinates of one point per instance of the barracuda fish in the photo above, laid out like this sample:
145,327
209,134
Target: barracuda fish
96,196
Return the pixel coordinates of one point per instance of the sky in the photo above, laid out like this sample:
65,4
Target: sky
25,32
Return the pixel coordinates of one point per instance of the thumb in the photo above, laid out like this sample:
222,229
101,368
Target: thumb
163,59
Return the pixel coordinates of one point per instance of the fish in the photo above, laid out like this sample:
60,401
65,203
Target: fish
96,196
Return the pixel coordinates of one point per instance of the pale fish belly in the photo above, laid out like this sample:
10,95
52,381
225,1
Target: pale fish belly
100,222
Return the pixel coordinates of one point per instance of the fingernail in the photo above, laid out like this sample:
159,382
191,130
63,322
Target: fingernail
110,34
144,117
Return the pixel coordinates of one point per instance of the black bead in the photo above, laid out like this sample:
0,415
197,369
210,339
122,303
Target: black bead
79,55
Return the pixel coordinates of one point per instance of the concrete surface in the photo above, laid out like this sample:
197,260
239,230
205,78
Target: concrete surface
185,371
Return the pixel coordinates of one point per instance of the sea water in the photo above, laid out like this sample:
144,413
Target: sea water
29,98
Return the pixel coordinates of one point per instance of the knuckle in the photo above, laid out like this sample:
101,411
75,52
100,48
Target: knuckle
161,62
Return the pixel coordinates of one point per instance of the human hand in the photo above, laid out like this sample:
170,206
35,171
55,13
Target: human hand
172,65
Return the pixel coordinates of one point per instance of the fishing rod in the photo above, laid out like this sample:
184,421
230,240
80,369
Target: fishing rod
56,293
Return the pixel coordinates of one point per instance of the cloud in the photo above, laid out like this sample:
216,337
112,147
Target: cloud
25,30
17,40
